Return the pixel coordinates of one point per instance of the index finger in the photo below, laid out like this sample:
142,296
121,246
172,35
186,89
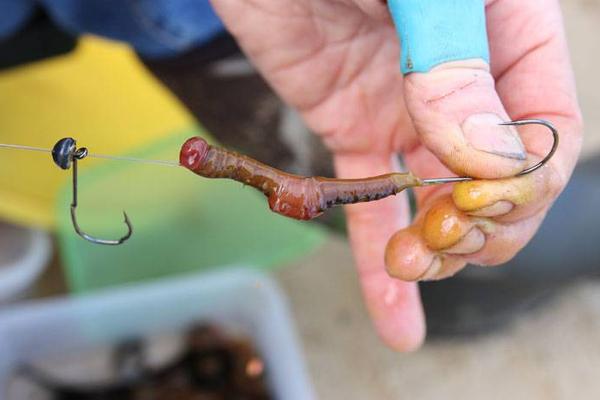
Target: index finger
394,305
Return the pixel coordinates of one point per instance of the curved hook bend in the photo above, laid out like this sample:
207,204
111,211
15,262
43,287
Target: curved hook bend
552,129
528,170
66,154
109,242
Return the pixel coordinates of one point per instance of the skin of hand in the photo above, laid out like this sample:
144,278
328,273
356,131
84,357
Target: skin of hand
337,62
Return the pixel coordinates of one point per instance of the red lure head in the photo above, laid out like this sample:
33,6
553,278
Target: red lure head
193,152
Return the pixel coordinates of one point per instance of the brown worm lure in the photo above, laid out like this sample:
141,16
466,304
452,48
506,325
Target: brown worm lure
294,196
303,197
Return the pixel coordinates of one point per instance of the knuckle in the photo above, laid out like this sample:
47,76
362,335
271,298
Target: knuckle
499,252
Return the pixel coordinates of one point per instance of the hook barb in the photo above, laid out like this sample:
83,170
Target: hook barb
528,170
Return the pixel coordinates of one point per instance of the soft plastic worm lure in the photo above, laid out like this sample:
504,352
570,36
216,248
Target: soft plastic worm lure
294,196
305,198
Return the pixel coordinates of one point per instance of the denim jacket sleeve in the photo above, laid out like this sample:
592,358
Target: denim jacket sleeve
155,28
13,14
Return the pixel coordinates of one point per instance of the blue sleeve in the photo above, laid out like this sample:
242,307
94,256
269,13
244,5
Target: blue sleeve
14,14
433,32
155,28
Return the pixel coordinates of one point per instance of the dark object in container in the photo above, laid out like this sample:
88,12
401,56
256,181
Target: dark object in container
212,366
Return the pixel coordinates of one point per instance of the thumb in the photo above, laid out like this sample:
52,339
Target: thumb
449,90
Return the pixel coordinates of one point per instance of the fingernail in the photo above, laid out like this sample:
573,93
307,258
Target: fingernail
484,133
470,243
433,269
498,208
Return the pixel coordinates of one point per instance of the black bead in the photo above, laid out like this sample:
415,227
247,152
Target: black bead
62,152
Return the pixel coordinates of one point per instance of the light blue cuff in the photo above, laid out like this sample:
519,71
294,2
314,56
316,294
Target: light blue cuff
433,32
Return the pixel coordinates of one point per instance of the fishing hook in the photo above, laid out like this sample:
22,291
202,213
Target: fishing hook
292,200
66,155
535,167
307,197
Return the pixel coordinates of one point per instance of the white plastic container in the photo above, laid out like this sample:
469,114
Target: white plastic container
24,253
238,300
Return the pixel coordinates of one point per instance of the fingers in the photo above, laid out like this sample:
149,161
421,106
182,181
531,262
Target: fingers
457,105
480,222
444,239
483,222
534,80
394,305
510,199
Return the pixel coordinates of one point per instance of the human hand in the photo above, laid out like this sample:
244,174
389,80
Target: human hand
336,61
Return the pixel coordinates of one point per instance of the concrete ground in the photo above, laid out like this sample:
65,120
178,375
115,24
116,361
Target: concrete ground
551,353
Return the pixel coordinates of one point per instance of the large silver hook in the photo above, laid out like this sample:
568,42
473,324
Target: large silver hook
547,124
66,154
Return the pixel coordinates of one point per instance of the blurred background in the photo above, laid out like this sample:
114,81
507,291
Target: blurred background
532,325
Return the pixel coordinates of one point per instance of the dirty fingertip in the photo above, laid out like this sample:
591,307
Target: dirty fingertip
493,197
406,256
444,225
